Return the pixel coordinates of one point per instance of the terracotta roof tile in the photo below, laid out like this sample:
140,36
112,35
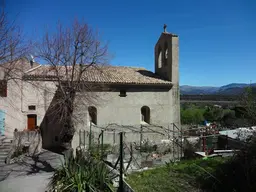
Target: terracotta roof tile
104,74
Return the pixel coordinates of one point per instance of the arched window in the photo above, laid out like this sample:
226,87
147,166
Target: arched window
92,114
145,114
165,53
160,58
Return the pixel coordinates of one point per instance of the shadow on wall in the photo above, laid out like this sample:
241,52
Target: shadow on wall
52,127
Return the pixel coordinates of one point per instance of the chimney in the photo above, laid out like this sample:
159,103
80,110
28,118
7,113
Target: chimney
165,26
31,61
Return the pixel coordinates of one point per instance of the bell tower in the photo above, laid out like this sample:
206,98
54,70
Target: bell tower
167,67
167,56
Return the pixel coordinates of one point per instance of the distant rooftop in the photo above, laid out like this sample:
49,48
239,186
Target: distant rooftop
240,133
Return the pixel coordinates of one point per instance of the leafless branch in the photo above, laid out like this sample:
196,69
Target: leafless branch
12,48
71,53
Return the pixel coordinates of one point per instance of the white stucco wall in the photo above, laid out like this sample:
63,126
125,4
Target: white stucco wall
20,95
111,108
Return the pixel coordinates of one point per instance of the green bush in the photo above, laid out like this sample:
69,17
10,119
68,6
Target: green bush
192,115
99,151
183,176
237,174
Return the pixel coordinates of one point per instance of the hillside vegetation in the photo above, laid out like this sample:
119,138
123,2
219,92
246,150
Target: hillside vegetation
237,173
182,177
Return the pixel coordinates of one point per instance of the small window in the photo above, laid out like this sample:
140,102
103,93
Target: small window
122,93
31,107
145,114
92,114
3,88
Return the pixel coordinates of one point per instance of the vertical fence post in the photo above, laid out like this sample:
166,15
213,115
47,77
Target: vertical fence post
84,137
80,137
102,133
181,147
90,135
173,142
141,129
114,137
178,140
121,184
169,132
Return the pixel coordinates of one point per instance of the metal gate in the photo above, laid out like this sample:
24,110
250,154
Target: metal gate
2,122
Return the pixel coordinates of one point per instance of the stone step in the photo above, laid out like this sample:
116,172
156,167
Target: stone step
2,162
6,139
2,138
7,142
5,145
4,153
5,149
2,158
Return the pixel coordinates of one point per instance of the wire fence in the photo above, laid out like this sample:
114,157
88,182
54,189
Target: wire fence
143,145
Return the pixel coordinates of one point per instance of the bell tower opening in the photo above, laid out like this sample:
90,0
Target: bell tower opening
160,58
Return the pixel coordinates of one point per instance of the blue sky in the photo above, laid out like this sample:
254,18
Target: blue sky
217,37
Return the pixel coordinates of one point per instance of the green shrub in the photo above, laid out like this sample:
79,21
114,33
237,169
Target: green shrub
237,174
82,174
183,176
192,115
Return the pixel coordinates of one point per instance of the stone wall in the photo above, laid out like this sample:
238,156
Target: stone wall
30,139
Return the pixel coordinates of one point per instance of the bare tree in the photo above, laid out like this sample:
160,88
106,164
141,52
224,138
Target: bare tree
12,48
71,54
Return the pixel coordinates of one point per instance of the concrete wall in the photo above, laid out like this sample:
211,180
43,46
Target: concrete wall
125,111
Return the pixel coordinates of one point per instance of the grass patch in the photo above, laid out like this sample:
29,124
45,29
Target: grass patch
181,177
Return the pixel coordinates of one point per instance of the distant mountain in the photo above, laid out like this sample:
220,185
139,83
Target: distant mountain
230,89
